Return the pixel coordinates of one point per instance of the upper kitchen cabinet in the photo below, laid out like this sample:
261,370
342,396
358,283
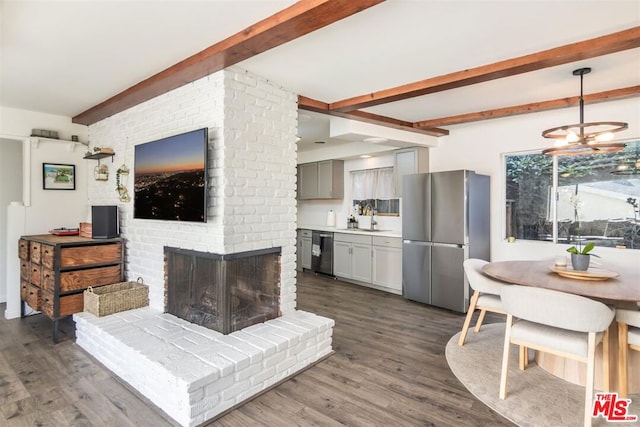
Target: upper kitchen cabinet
321,180
408,161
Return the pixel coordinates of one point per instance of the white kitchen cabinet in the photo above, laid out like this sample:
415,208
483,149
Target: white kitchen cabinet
408,161
341,258
304,237
321,180
299,252
387,263
352,257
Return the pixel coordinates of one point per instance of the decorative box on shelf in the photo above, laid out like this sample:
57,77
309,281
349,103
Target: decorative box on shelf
117,297
86,230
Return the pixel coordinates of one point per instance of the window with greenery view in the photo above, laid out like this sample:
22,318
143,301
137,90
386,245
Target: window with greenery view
590,200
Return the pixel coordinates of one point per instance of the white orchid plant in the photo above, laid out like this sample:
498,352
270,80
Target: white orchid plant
579,250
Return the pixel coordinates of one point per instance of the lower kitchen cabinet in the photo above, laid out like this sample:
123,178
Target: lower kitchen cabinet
304,249
368,260
352,257
387,263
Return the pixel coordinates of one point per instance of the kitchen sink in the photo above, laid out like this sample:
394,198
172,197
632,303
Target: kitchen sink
366,230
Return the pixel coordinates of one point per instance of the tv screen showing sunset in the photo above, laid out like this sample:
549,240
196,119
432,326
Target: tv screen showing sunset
170,178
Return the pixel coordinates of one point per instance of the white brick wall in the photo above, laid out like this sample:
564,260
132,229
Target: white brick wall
193,373
252,166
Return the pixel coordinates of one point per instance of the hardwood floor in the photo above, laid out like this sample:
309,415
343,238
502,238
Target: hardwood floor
388,369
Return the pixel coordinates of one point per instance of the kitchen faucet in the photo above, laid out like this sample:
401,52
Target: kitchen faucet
369,208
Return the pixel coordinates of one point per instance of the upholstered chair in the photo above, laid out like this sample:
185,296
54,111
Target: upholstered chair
486,295
628,338
558,323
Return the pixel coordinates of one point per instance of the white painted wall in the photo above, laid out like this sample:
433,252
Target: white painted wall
57,208
16,122
479,146
46,209
10,190
251,202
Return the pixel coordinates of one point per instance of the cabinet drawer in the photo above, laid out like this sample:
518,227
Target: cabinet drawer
34,251
23,249
352,238
306,233
25,272
81,279
389,242
86,255
33,297
24,290
46,255
35,274
68,304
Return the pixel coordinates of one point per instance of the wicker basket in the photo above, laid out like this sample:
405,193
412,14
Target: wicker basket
117,297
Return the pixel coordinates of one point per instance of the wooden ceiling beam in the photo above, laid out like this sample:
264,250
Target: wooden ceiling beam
295,21
611,43
389,122
309,104
610,95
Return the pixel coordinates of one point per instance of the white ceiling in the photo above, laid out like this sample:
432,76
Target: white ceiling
65,57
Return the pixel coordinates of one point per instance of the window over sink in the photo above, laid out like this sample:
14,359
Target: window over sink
374,189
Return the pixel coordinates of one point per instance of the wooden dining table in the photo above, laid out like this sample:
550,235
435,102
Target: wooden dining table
621,291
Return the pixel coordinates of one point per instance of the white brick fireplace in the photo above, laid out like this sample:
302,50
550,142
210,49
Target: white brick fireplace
193,373
252,126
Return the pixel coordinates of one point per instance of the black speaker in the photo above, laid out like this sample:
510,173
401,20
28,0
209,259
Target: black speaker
104,222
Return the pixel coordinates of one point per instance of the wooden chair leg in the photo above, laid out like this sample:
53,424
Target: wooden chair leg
623,348
606,380
467,320
480,320
505,357
591,361
523,359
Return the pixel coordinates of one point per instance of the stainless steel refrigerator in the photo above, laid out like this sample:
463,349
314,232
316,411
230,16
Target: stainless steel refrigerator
445,220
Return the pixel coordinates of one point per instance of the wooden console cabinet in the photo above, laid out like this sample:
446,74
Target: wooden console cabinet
55,270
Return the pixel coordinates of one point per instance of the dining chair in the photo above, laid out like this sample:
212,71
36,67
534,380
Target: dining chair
628,338
555,322
486,295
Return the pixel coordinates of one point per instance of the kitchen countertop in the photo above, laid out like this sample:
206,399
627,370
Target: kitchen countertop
381,233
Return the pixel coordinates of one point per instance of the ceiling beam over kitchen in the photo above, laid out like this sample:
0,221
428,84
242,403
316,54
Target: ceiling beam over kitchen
611,43
295,21
610,95
309,104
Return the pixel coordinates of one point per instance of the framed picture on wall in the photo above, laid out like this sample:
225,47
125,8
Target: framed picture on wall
56,176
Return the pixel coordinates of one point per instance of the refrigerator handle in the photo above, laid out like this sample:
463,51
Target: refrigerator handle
417,242
450,245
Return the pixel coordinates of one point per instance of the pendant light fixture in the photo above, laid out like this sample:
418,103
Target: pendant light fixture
584,138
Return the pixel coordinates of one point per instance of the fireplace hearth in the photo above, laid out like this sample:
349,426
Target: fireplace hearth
225,292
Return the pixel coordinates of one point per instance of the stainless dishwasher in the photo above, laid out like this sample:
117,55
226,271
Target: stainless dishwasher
322,252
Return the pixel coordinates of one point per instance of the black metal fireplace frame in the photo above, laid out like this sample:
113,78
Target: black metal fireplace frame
218,268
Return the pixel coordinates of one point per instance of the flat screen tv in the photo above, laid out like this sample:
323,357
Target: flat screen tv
170,178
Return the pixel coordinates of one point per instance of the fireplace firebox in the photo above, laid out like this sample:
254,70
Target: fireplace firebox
223,292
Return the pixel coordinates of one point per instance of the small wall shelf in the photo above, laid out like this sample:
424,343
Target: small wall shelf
98,156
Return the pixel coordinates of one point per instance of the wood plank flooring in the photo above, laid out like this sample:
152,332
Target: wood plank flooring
388,369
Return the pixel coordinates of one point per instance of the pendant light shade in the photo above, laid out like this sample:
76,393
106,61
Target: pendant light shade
584,138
